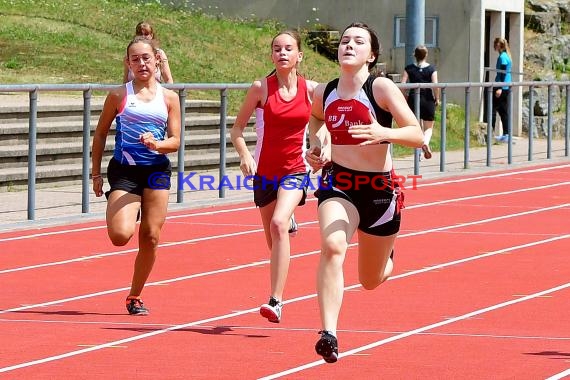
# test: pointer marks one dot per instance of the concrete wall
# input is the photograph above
(459, 55)
(461, 25)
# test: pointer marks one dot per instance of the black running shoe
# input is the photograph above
(272, 310)
(135, 306)
(327, 347)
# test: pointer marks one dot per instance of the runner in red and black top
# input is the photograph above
(282, 104)
(350, 133)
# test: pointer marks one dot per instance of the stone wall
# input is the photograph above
(547, 48)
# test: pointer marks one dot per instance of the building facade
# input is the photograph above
(458, 33)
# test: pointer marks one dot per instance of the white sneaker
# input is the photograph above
(293, 226)
(502, 139)
(271, 310)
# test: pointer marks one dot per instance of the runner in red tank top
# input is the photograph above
(282, 104)
(284, 121)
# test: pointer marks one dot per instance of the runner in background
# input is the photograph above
(162, 71)
(423, 72)
(282, 105)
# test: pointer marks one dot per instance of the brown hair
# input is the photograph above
(143, 40)
(291, 32)
(374, 41)
(420, 53)
(143, 28)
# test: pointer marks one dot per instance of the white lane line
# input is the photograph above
(560, 375)
(214, 237)
(419, 330)
(497, 194)
(496, 175)
(264, 262)
(253, 328)
(444, 182)
(66, 231)
(123, 341)
(298, 299)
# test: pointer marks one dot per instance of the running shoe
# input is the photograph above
(272, 310)
(502, 139)
(427, 151)
(135, 306)
(293, 226)
(327, 346)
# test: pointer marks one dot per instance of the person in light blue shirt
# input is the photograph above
(501, 94)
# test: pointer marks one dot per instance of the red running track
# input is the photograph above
(479, 291)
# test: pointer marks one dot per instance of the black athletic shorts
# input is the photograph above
(265, 189)
(135, 178)
(375, 195)
(427, 107)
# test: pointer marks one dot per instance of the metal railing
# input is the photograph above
(87, 90)
(487, 89)
(182, 88)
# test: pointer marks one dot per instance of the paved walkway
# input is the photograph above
(59, 205)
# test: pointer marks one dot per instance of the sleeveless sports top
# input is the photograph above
(136, 117)
(281, 128)
(341, 114)
(418, 74)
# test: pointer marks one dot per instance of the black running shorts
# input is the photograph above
(375, 195)
(265, 189)
(135, 178)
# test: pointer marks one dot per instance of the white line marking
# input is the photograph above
(263, 262)
(508, 192)
(238, 313)
(43, 234)
(213, 237)
(444, 182)
(229, 329)
(497, 175)
(101, 255)
(123, 341)
(419, 330)
(560, 375)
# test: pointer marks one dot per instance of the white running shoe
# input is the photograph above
(271, 310)
(293, 226)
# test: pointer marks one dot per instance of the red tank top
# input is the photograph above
(281, 129)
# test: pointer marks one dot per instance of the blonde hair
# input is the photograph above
(502, 44)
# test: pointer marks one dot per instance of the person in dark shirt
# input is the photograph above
(423, 72)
